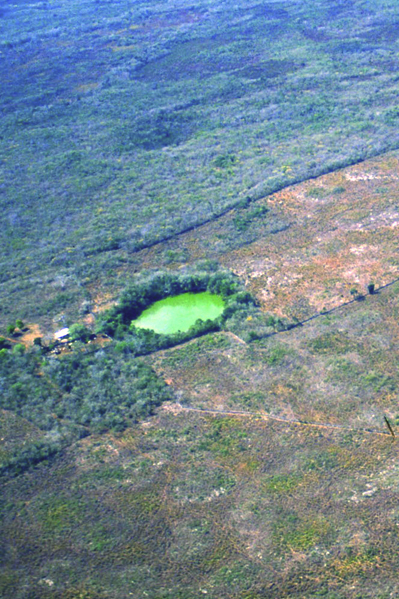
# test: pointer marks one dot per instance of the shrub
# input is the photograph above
(78, 332)
(18, 349)
(224, 161)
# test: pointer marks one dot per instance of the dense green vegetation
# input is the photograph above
(73, 396)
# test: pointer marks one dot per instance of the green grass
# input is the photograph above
(331, 342)
(281, 484)
(291, 533)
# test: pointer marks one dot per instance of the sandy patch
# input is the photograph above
(29, 335)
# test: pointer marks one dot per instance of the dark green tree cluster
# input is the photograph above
(78, 332)
(19, 324)
(117, 321)
(71, 397)
(105, 391)
(100, 390)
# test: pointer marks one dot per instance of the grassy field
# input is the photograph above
(140, 141)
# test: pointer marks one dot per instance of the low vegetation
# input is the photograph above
(250, 457)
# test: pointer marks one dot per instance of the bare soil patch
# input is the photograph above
(29, 334)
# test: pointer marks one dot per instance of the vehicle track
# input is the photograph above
(296, 422)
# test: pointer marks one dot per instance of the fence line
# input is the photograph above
(296, 422)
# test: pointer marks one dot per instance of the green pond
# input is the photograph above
(180, 312)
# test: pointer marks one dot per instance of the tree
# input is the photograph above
(78, 332)
(18, 349)
(354, 292)
(10, 329)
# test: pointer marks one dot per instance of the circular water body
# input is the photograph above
(178, 313)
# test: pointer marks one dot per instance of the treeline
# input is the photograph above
(117, 322)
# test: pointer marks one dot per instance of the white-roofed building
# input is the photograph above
(62, 334)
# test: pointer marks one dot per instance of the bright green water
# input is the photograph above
(180, 312)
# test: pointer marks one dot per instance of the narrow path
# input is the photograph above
(264, 416)
(236, 337)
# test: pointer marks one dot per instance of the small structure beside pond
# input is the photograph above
(62, 334)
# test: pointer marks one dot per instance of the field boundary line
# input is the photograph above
(228, 209)
(296, 422)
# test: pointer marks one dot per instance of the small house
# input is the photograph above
(62, 334)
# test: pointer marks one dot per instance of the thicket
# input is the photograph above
(75, 395)
(102, 390)
(117, 322)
